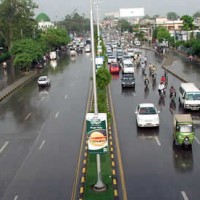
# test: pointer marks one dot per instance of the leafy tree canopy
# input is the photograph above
(55, 38)
(124, 25)
(103, 77)
(187, 22)
(172, 16)
(163, 34)
(76, 23)
(16, 20)
(196, 15)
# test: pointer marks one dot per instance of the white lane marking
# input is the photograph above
(66, 96)
(16, 197)
(157, 140)
(184, 195)
(4, 146)
(42, 144)
(56, 114)
(197, 140)
(27, 116)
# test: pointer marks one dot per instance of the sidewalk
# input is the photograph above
(8, 90)
(179, 66)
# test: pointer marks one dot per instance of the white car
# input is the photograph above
(112, 59)
(43, 81)
(130, 52)
(87, 49)
(127, 66)
(147, 115)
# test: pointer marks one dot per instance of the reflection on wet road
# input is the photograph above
(154, 167)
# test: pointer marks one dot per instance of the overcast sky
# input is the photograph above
(58, 9)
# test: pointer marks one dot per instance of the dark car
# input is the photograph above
(128, 80)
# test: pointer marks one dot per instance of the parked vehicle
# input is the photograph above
(147, 115)
(189, 96)
(43, 81)
(52, 55)
(183, 132)
(128, 80)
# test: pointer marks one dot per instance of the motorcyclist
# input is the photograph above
(146, 80)
(161, 87)
(172, 91)
(163, 79)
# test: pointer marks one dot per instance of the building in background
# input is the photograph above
(44, 22)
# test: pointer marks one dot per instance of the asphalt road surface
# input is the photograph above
(40, 133)
(153, 167)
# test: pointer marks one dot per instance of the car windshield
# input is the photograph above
(128, 65)
(185, 128)
(192, 96)
(127, 78)
(114, 65)
(147, 111)
(42, 79)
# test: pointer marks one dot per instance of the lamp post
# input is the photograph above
(99, 186)
(98, 28)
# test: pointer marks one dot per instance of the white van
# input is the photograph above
(189, 96)
(127, 66)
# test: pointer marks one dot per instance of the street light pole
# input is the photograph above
(99, 186)
(93, 59)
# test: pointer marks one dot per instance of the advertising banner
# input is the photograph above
(97, 137)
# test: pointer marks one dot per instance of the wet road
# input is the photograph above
(153, 167)
(40, 133)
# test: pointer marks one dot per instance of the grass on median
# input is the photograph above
(91, 178)
(91, 173)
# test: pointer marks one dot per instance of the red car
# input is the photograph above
(114, 68)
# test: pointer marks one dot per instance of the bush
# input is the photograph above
(5, 56)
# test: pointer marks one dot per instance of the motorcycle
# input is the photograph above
(162, 93)
(146, 82)
(153, 75)
(173, 96)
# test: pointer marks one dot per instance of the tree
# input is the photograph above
(25, 52)
(196, 48)
(163, 34)
(54, 38)
(76, 23)
(124, 25)
(196, 15)
(16, 20)
(187, 22)
(172, 16)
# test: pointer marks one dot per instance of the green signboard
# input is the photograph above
(97, 137)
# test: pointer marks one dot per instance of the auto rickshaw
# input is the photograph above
(183, 129)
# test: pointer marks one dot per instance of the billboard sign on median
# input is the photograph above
(97, 137)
